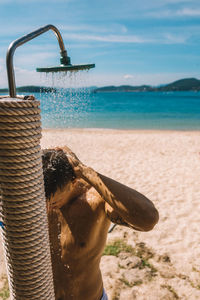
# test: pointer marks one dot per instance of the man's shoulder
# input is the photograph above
(93, 198)
(92, 193)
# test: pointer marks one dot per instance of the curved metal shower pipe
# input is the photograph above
(11, 49)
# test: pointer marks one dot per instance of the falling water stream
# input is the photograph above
(68, 102)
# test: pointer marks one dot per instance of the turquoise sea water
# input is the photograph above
(136, 110)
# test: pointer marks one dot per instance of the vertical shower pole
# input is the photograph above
(22, 199)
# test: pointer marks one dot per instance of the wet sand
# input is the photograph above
(165, 166)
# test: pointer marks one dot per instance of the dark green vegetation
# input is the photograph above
(125, 88)
(31, 89)
(140, 250)
(148, 267)
(187, 84)
(116, 247)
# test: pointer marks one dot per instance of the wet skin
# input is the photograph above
(79, 217)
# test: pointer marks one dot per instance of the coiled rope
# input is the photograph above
(22, 201)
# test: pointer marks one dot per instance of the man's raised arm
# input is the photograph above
(133, 207)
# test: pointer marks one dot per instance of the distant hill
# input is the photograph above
(40, 89)
(124, 88)
(187, 84)
(31, 89)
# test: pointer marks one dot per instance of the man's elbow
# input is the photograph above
(147, 220)
(151, 220)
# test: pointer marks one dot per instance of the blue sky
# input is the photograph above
(130, 41)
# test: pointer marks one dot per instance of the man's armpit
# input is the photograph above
(114, 217)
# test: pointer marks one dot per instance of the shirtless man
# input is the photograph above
(81, 205)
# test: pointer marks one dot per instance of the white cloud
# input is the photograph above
(165, 38)
(15, 30)
(25, 1)
(3, 77)
(171, 13)
(189, 12)
(35, 58)
(107, 38)
(174, 39)
(113, 27)
(22, 77)
(128, 76)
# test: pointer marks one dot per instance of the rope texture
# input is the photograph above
(22, 201)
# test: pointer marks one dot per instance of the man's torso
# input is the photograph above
(78, 234)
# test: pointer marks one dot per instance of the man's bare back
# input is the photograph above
(83, 231)
(79, 216)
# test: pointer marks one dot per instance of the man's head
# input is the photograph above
(57, 171)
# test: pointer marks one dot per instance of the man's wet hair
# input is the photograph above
(57, 170)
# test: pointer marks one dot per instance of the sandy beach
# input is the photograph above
(165, 166)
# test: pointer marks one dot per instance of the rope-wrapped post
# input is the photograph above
(22, 199)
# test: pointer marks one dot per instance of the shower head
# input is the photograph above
(65, 68)
(65, 64)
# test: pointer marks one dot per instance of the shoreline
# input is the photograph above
(123, 130)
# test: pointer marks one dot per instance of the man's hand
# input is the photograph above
(76, 164)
